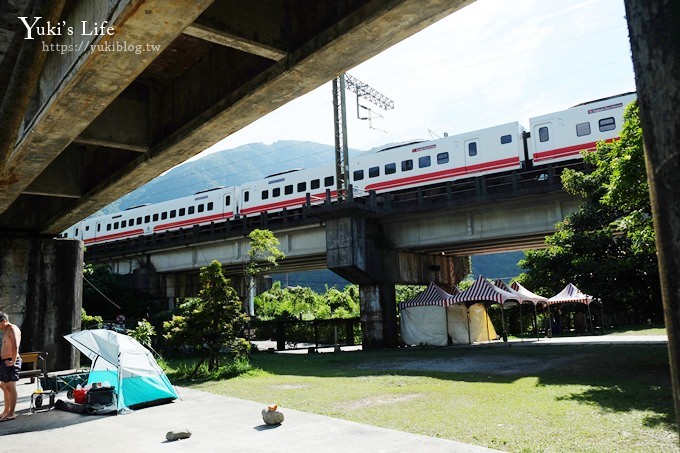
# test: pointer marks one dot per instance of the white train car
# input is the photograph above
(202, 208)
(288, 189)
(554, 137)
(561, 136)
(491, 150)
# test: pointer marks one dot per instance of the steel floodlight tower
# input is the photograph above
(362, 90)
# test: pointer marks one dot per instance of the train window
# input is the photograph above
(424, 161)
(155, 217)
(246, 196)
(210, 206)
(582, 129)
(607, 124)
(358, 175)
(76, 233)
(287, 190)
(99, 227)
(265, 194)
(147, 218)
(191, 210)
(390, 168)
(123, 223)
(164, 215)
(302, 186)
(182, 211)
(505, 139)
(87, 228)
(276, 192)
(139, 220)
(108, 227)
(374, 172)
(201, 207)
(328, 181)
(472, 149)
(315, 184)
(115, 225)
(543, 135)
(407, 165)
(173, 213)
(442, 158)
(227, 200)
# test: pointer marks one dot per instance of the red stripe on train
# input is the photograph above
(568, 150)
(443, 174)
(286, 203)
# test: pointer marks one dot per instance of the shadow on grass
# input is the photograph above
(618, 377)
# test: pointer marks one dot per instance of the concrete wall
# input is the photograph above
(41, 290)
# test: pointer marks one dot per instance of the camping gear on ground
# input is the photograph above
(128, 366)
(65, 380)
(101, 400)
(80, 395)
(38, 397)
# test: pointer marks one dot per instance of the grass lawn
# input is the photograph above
(548, 398)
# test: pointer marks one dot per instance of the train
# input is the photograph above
(551, 138)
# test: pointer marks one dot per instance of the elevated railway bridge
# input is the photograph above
(407, 237)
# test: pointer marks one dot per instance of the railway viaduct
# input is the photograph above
(405, 237)
(99, 97)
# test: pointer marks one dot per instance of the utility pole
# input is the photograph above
(361, 90)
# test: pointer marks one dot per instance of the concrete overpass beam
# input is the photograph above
(41, 284)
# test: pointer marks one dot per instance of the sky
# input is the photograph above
(492, 62)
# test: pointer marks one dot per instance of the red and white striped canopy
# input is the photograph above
(570, 294)
(528, 294)
(481, 291)
(519, 297)
(433, 295)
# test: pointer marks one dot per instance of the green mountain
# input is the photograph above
(226, 168)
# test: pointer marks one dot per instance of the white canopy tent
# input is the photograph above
(424, 318)
(481, 292)
(526, 297)
(570, 294)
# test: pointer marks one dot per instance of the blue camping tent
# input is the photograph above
(126, 365)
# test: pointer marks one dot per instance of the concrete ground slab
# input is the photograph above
(217, 423)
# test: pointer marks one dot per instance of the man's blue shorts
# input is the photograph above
(10, 373)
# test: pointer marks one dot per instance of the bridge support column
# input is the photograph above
(378, 316)
(41, 283)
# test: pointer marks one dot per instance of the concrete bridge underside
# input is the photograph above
(87, 116)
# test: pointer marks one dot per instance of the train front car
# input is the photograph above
(562, 136)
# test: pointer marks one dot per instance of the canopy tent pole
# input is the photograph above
(521, 329)
(446, 318)
(538, 336)
(590, 317)
(505, 332)
(549, 320)
(467, 310)
(602, 314)
(487, 320)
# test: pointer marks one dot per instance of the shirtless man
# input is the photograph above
(10, 366)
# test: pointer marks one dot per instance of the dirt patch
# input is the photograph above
(497, 364)
(289, 386)
(377, 400)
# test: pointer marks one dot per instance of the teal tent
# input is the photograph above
(123, 363)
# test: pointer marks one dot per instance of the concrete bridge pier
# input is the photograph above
(378, 315)
(359, 251)
(41, 282)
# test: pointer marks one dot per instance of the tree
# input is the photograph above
(211, 321)
(263, 256)
(606, 248)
